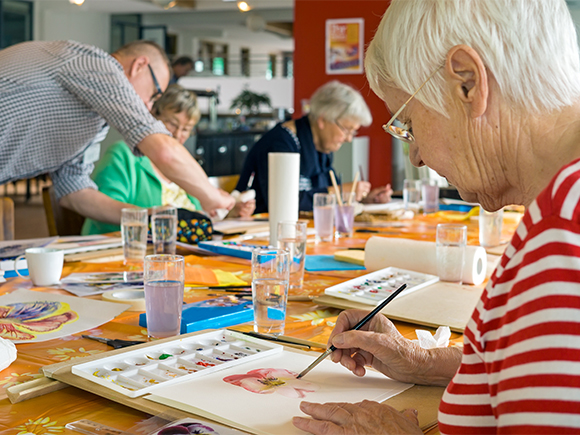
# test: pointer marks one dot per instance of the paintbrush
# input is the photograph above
(359, 325)
(352, 189)
(222, 288)
(335, 186)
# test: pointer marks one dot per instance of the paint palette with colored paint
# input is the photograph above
(375, 287)
(138, 371)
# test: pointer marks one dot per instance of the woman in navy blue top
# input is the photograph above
(337, 111)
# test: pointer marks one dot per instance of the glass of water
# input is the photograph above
(163, 276)
(134, 234)
(451, 245)
(323, 207)
(164, 229)
(270, 276)
(411, 194)
(292, 237)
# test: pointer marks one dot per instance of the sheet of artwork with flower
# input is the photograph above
(270, 392)
(27, 316)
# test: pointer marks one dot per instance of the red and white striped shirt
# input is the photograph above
(520, 371)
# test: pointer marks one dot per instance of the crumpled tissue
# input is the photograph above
(428, 341)
(7, 353)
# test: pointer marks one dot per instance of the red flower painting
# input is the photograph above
(23, 321)
(268, 381)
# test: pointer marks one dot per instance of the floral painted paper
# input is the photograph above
(268, 381)
(28, 316)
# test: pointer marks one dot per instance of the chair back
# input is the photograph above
(6, 219)
(225, 182)
(61, 221)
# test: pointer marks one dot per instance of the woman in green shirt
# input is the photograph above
(135, 180)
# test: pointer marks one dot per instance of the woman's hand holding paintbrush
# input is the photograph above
(363, 318)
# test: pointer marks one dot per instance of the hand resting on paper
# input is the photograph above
(378, 344)
(363, 418)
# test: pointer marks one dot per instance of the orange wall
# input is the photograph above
(309, 68)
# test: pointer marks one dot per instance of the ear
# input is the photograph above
(137, 66)
(320, 121)
(469, 78)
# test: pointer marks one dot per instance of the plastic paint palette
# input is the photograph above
(137, 372)
(374, 287)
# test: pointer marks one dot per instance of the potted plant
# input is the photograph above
(249, 102)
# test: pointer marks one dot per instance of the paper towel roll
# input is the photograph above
(381, 252)
(283, 182)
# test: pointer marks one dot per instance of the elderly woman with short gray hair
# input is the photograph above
(488, 94)
(337, 111)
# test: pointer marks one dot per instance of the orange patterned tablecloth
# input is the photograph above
(48, 414)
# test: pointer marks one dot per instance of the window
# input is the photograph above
(15, 22)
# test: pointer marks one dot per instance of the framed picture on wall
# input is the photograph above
(344, 46)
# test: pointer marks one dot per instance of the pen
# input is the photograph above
(359, 325)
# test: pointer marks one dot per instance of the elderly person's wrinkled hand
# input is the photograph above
(356, 418)
(377, 344)
(379, 195)
(380, 345)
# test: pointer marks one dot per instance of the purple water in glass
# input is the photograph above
(163, 304)
(344, 220)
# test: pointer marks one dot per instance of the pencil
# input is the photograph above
(359, 325)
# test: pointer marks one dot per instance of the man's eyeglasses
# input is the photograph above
(402, 133)
(347, 132)
(156, 83)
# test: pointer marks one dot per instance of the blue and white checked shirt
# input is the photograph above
(56, 99)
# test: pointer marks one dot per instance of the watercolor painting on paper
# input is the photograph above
(275, 392)
(28, 316)
(268, 381)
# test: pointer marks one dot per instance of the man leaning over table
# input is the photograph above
(58, 99)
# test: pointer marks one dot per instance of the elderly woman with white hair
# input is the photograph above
(488, 92)
(337, 111)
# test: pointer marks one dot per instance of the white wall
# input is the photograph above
(58, 19)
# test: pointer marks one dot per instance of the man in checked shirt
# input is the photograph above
(57, 100)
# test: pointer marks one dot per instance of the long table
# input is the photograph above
(48, 414)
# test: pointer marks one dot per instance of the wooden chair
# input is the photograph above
(6, 219)
(61, 221)
(225, 182)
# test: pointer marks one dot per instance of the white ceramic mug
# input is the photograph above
(44, 265)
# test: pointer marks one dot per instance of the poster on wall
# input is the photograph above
(344, 46)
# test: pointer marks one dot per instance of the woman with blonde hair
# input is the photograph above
(136, 180)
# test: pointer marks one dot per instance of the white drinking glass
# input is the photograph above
(292, 237)
(451, 246)
(134, 234)
(163, 277)
(411, 194)
(164, 229)
(270, 276)
(323, 207)
(490, 224)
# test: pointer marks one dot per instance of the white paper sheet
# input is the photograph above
(29, 316)
(213, 398)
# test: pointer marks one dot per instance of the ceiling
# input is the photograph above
(150, 6)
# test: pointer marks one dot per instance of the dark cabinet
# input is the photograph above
(224, 153)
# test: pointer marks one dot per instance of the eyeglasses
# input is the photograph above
(347, 132)
(156, 83)
(400, 133)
